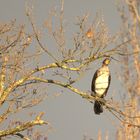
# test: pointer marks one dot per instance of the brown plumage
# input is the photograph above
(100, 84)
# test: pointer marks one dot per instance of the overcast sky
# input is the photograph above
(70, 115)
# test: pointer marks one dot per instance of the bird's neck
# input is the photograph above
(105, 68)
(104, 65)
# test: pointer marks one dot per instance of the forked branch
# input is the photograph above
(24, 126)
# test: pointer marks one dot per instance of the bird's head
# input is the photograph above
(106, 61)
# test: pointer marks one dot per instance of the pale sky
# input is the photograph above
(70, 115)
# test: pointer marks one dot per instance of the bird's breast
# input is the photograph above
(101, 83)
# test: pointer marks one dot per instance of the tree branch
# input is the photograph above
(23, 126)
(62, 65)
(114, 110)
(37, 37)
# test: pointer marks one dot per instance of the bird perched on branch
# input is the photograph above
(100, 84)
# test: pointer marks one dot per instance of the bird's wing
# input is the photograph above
(93, 81)
(109, 80)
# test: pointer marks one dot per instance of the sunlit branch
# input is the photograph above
(3, 75)
(12, 43)
(5, 114)
(121, 119)
(14, 85)
(90, 98)
(24, 126)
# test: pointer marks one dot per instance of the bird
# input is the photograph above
(100, 84)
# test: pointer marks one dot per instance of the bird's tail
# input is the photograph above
(98, 108)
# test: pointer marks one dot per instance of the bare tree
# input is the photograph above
(22, 77)
(131, 70)
(128, 109)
